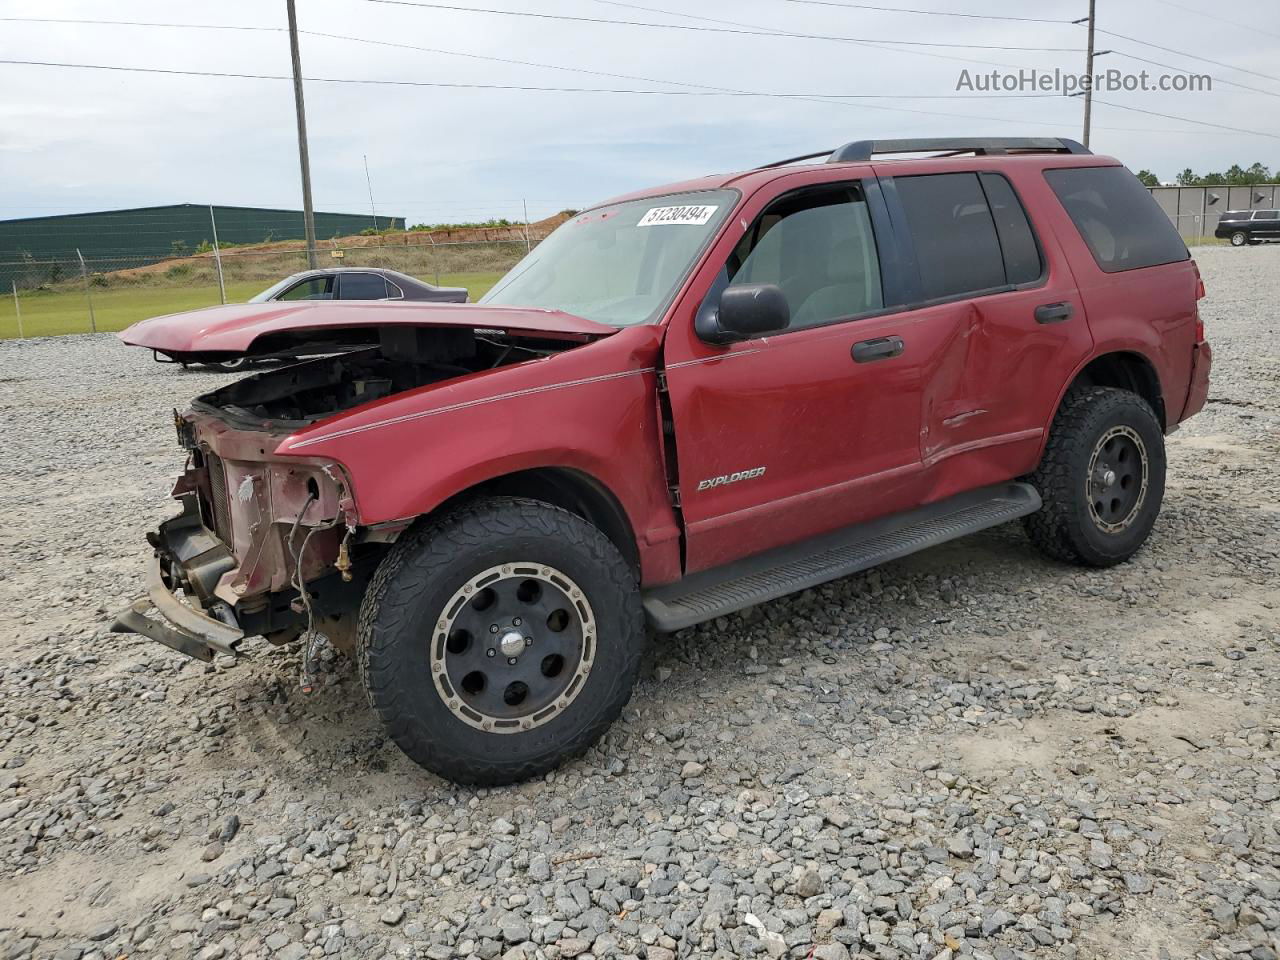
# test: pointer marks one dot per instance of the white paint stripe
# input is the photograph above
(515, 394)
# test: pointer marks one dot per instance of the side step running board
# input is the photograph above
(767, 576)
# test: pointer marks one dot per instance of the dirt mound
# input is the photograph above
(406, 238)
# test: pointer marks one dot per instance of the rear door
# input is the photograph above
(362, 286)
(1266, 224)
(1015, 327)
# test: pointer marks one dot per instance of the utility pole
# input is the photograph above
(1088, 69)
(217, 256)
(308, 214)
(84, 274)
(17, 308)
(369, 183)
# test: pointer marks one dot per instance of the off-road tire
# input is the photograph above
(409, 591)
(1065, 527)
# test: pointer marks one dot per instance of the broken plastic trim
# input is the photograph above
(187, 630)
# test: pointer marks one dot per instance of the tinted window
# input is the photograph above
(955, 238)
(317, 288)
(819, 248)
(1018, 244)
(363, 286)
(1117, 217)
(1267, 215)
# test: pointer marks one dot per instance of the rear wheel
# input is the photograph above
(500, 639)
(1101, 478)
(1239, 238)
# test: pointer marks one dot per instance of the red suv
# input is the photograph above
(684, 402)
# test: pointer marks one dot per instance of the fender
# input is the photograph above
(590, 409)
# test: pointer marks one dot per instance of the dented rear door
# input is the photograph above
(1008, 325)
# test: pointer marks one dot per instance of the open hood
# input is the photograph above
(263, 329)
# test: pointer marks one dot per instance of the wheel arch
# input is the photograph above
(1125, 368)
(569, 488)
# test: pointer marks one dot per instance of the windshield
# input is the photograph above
(274, 289)
(619, 264)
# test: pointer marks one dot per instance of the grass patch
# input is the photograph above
(55, 312)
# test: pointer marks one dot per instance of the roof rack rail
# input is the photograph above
(863, 150)
(783, 163)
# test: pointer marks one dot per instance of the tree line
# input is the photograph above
(1235, 176)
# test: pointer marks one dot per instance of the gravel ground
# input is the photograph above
(972, 752)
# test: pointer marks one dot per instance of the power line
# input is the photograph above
(924, 13)
(1203, 123)
(1154, 46)
(141, 23)
(734, 30)
(771, 30)
(524, 87)
(490, 86)
(1170, 66)
(1217, 19)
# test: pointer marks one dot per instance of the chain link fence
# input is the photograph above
(46, 297)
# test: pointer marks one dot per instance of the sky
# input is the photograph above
(73, 140)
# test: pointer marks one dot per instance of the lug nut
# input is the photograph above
(491, 652)
(511, 661)
(515, 622)
(493, 628)
(528, 641)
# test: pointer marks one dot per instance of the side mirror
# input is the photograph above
(745, 311)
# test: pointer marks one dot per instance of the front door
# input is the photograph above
(797, 433)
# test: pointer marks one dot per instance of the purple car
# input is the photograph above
(358, 283)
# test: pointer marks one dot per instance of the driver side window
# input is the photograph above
(818, 247)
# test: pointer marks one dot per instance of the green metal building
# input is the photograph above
(153, 233)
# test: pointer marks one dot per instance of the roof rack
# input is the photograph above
(862, 150)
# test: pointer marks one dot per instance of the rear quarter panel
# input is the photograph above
(1149, 311)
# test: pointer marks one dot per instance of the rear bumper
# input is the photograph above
(1198, 392)
(183, 628)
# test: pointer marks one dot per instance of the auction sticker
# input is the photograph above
(695, 215)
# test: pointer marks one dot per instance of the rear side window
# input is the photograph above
(1118, 218)
(1022, 263)
(955, 237)
(1267, 215)
(363, 286)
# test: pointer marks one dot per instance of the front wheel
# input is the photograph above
(1101, 478)
(500, 639)
(1239, 238)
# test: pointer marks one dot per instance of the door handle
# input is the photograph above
(882, 348)
(1054, 312)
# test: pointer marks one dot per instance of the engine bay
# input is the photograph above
(403, 359)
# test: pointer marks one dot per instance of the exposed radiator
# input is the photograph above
(220, 506)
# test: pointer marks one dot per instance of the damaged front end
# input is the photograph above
(263, 546)
(271, 544)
